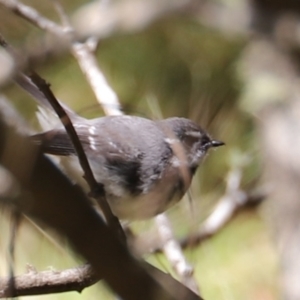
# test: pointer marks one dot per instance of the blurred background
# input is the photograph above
(231, 66)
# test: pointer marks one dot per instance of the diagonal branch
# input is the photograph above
(33, 16)
(49, 282)
(96, 188)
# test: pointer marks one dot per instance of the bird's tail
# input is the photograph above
(45, 114)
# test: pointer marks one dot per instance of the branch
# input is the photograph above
(222, 214)
(33, 16)
(105, 95)
(48, 282)
(173, 252)
(97, 191)
(83, 52)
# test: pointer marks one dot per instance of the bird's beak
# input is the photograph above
(215, 143)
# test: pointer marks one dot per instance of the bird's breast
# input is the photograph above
(163, 194)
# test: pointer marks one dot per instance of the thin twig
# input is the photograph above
(49, 282)
(225, 215)
(33, 16)
(97, 190)
(233, 198)
(84, 52)
(173, 252)
(44, 87)
(105, 95)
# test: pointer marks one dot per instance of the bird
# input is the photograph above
(144, 166)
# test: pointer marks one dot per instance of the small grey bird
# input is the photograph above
(144, 166)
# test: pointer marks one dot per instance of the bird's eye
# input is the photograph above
(190, 138)
(205, 141)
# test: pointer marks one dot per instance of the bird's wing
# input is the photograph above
(118, 156)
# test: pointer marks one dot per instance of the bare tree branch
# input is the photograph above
(33, 16)
(173, 252)
(83, 52)
(49, 282)
(105, 95)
